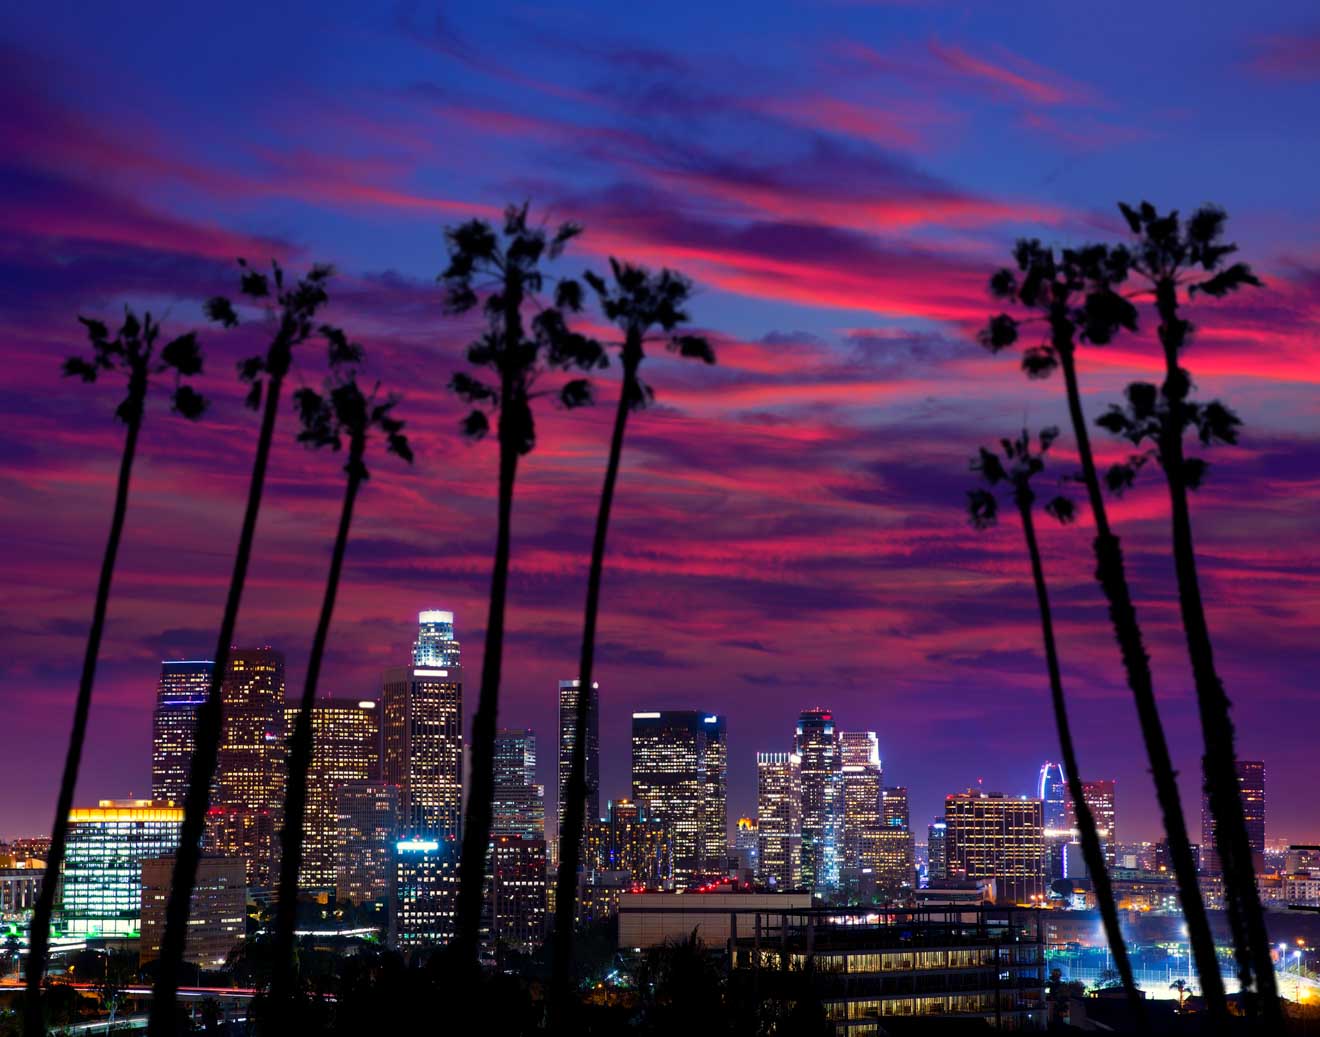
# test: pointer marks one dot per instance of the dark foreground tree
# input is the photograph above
(130, 353)
(1180, 259)
(344, 418)
(506, 268)
(645, 307)
(291, 310)
(1015, 469)
(1073, 295)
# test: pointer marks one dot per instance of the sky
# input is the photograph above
(838, 179)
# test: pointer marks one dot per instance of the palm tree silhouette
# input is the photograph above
(1015, 469)
(132, 353)
(1184, 991)
(506, 266)
(345, 415)
(645, 307)
(1176, 257)
(291, 308)
(1073, 294)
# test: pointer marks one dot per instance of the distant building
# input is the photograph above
(894, 807)
(817, 744)
(184, 685)
(937, 853)
(517, 892)
(422, 730)
(248, 834)
(779, 819)
(345, 748)
(1052, 791)
(519, 803)
(1099, 796)
(1251, 785)
(101, 884)
(991, 836)
(859, 749)
(425, 895)
(746, 844)
(568, 704)
(630, 839)
(366, 829)
(652, 919)
(217, 921)
(863, 792)
(679, 761)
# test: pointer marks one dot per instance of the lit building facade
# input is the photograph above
(863, 789)
(519, 804)
(894, 811)
(1251, 785)
(217, 921)
(937, 852)
(249, 835)
(746, 843)
(183, 687)
(250, 769)
(1099, 796)
(425, 893)
(629, 839)
(568, 705)
(779, 819)
(817, 745)
(422, 731)
(366, 829)
(679, 771)
(101, 883)
(517, 892)
(991, 836)
(345, 747)
(859, 749)
(1052, 791)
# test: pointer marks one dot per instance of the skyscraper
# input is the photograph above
(345, 747)
(894, 812)
(217, 920)
(822, 798)
(779, 819)
(628, 839)
(937, 852)
(678, 771)
(991, 836)
(747, 843)
(183, 687)
(859, 749)
(1099, 796)
(517, 893)
(1052, 791)
(568, 704)
(1251, 785)
(425, 892)
(519, 805)
(862, 813)
(366, 827)
(250, 776)
(422, 731)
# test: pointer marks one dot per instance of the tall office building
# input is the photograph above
(628, 839)
(894, 812)
(345, 747)
(100, 889)
(937, 852)
(217, 919)
(1052, 791)
(1251, 785)
(425, 892)
(859, 749)
(991, 836)
(516, 907)
(519, 805)
(779, 819)
(678, 771)
(1099, 796)
(183, 687)
(862, 811)
(568, 705)
(366, 828)
(817, 745)
(250, 768)
(746, 844)
(422, 732)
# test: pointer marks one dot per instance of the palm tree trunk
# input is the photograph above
(300, 762)
(476, 830)
(39, 934)
(1091, 849)
(570, 840)
(1251, 941)
(1123, 616)
(164, 1003)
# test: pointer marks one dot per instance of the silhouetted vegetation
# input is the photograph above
(131, 353)
(645, 307)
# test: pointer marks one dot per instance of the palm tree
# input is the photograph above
(1016, 468)
(132, 354)
(1184, 991)
(344, 415)
(640, 304)
(507, 268)
(1073, 294)
(291, 309)
(1174, 257)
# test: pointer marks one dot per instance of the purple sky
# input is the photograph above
(839, 180)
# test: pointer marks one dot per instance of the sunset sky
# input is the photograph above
(839, 180)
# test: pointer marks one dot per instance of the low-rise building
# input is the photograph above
(649, 919)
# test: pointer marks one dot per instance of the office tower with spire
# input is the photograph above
(568, 705)
(817, 745)
(183, 687)
(519, 804)
(345, 748)
(1251, 786)
(678, 771)
(992, 836)
(779, 819)
(422, 735)
(1052, 791)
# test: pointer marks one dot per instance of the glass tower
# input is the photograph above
(519, 807)
(817, 744)
(183, 687)
(568, 701)
(435, 644)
